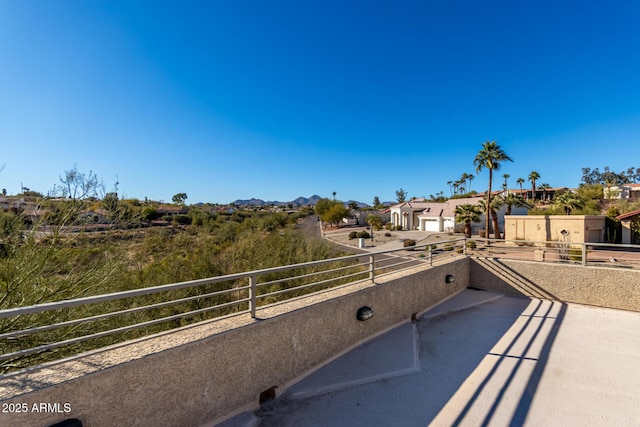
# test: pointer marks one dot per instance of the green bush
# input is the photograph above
(353, 235)
(182, 219)
(387, 234)
(471, 244)
(575, 254)
(409, 242)
(398, 227)
(363, 234)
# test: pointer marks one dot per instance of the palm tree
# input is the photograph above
(569, 201)
(511, 200)
(450, 188)
(496, 204)
(467, 214)
(520, 181)
(506, 177)
(533, 177)
(470, 178)
(490, 157)
(334, 195)
(463, 180)
(544, 187)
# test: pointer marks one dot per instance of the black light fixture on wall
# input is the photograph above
(364, 313)
(450, 278)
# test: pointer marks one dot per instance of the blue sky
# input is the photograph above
(279, 99)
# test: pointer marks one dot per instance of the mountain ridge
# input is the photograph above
(298, 202)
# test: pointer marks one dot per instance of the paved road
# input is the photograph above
(311, 227)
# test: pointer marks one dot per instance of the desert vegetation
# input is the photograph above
(56, 256)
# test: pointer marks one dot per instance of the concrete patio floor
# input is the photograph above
(479, 358)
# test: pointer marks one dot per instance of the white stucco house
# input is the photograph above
(421, 215)
(626, 191)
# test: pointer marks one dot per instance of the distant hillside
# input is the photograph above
(300, 201)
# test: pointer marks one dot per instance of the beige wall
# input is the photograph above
(545, 228)
(201, 374)
(605, 287)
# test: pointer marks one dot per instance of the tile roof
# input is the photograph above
(628, 215)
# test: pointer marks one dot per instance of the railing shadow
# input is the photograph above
(511, 277)
(509, 367)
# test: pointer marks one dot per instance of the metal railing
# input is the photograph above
(585, 254)
(49, 331)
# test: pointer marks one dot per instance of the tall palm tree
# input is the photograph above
(494, 207)
(533, 177)
(506, 177)
(490, 158)
(520, 181)
(470, 178)
(569, 201)
(463, 180)
(334, 195)
(467, 214)
(450, 188)
(544, 187)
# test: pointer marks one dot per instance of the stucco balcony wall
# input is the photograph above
(617, 288)
(199, 375)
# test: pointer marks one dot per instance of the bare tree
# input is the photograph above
(77, 185)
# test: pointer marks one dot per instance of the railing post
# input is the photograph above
(372, 267)
(464, 246)
(430, 255)
(584, 254)
(252, 295)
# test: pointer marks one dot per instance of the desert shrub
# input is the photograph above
(409, 242)
(448, 247)
(389, 226)
(387, 234)
(363, 234)
(182, 219)
(353, 235)
(398, 227)
(575, 254)
(471, 244)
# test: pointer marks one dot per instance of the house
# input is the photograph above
(546, 195)
(362, 214)
(629, 223)
(171, 210)
(630, 192)
(440, 216)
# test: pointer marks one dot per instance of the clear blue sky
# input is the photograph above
(279, 99)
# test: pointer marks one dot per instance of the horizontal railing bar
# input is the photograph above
(161, 288)
(38, 308)
(30, 331)
(115, 331)
(403, 262)
(322, 282)
(315, 273)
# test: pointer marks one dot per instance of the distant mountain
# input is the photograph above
(300, 201)
(358, 204)
(250, 202)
